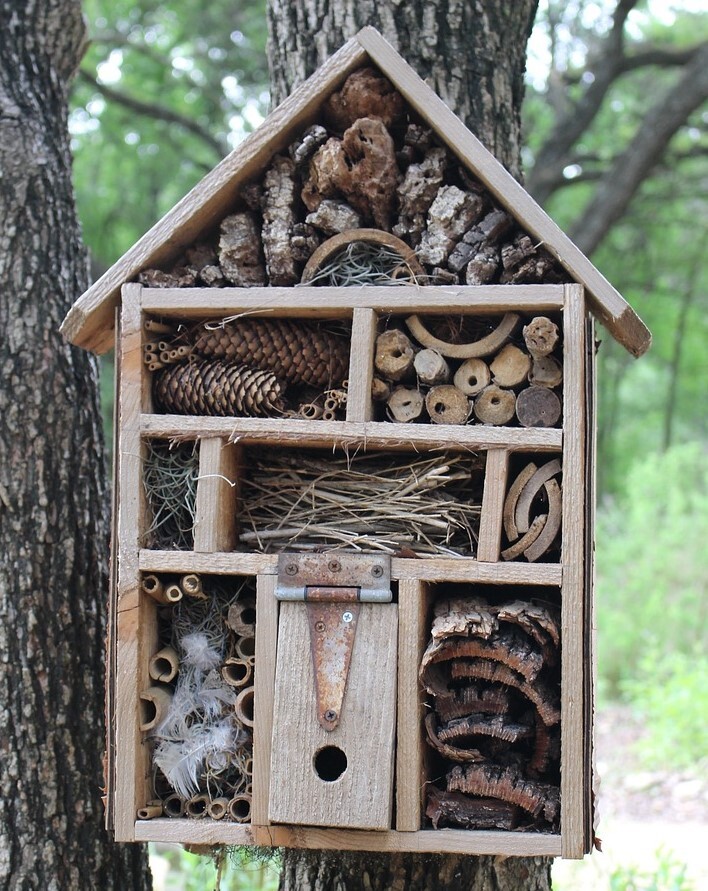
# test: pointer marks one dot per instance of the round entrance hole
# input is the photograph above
(329, 763)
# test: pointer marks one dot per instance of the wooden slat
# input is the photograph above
(324, 434)
(338, 302)
(362, 797)
(432, 569)
(614, 311)
(131, 767)
(361, 365)
(264, 691)
(217, 491)
(412, 634)
(572, 558)
(589, 619)
(90, 321)
(490, 524)
(445, 841)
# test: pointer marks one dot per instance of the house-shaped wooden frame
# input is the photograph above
(113, 312)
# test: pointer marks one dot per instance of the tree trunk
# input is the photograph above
(474, 56)
(53, 494)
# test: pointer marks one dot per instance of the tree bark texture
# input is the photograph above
(473, 54)
(53, 494)
(346, 871)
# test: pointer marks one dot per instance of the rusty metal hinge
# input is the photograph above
(333, 587)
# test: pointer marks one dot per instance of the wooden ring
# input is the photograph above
(368, 236)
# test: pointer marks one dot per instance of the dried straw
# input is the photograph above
(362, 263)
(170, 480)
(428, 504)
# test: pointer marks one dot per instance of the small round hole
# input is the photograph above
(330, 763)
(495, 400)
(396, 354)
(439, 408)
(472, 381)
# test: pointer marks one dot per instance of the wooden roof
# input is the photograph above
(90, 321)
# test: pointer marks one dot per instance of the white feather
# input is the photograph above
(198, 652)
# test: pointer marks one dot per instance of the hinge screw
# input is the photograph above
(330, 715)
(291, 569)
(377, 571)
(334, 565)
(347, 617)
(319, 627)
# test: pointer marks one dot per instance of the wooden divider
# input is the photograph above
(217, 491)
(490, 524)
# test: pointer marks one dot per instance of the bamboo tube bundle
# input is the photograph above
(240, 808)
(430, 505)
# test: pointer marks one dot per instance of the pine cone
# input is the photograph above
(218, 388)
(296, 352)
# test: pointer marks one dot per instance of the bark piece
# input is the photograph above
(431, 368)
(495, 406)
(540, 336)
(512, 499)
(471, 701)
(447, 405)
(364, 93)
(201, 255)
(440, 276)
(304, 242)
(483, 267)
(550, 530)
(240, 252)
(542, 800)
(542, 696)
(328, 168)
(417, 192)
(302, 150)
(507, 647)
(450, 752)
(538, 407)
(370, 184)
(546, 371)
(531, 488)
(181, 277)
(472, 376)
(520, 545)
(332, 217)
(380, 390)
(279, 197)
(212, 276)
(485, 346)
(462, 731)
(405, 404)
(451, 214)
(418, 137)
(394, 355)
(510, 366)
(252, 195)
(459, 809)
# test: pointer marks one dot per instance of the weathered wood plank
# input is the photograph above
(263, 695)
(324, 434)
(490, 525)
(338, 302)
(217, 492)
(572, 558)
(361, 365)
(362, 796)
(412, 634)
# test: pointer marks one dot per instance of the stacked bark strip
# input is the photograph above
(197, 715)
(470, 370)
(532, 511)
(366, 162)
(492, 673)
(244, 366)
